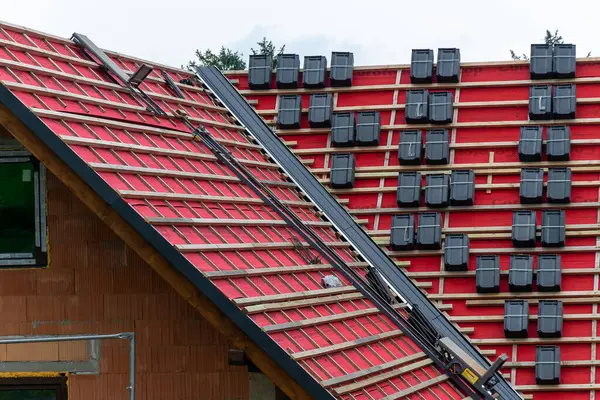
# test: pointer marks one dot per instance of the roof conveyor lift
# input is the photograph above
(131, 82)
(417, 317)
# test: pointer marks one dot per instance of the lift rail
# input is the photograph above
(422, 322)
(411, 323)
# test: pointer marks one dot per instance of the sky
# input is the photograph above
(376, 31)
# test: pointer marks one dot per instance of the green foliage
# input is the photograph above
(225, 60)
(550, 38)
(553, 38)
(229, 60)
(267, 47)
(514, 56)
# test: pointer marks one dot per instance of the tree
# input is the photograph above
(550, 38)
(267, 47)
(226, 60)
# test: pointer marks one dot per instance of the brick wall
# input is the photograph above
(96, 284)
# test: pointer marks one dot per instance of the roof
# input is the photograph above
(490, 105)
(206, 223)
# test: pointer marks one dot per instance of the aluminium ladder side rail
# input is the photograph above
(339, 217)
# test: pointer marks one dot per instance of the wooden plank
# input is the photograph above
(385, 240)
(533, 250)
(305, 323)
(321, 351)
(148, 129)
(534, 341)
(481, 208)
(207, 309)
(134, 194)
(248, 301)
(579, 387)
(177, 174)
(574, 300)
(296, 269)
(465, 125)
(288, 305)
(487, 168)
(532, 317)
(506, 295)
(479, 186)
(106, 103)
(456, 105)
(315, 301)
(228, 222)
(372, 370)
(186, 248)
(405, 86)
(495, 229)
(157, 151)
(452, 146)
(564, 363)
(471, 274)
(417, 388)
(380, 378)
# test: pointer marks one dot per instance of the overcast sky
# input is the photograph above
(377, 31)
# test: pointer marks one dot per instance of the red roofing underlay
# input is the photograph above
(221, 226)
(490, 104)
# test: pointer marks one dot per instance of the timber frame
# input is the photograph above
(197, 290)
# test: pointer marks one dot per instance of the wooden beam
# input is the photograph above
(564, 363)
(186, 248)
(480, 208)
(381, 377)
(61, 94)
(532, 317)
(506, 295)
(147, 129)
(532, 250)
(183, 286)
(305, 323)
(385, 240)
(127, 169)
(575, 300)
(346, 345)
(578, 387)
(509, 168)
(534, 341)
(456, 105)
(417, 388)
(194, 155)
(135, 194)
(370, 371)
(465, 125)
(228, 222)
(453, 146)
(316, 301)
(409, 86)
(292, 269)
(248, 301)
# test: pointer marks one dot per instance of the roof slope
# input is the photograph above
(216, 224)
(490, 104)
